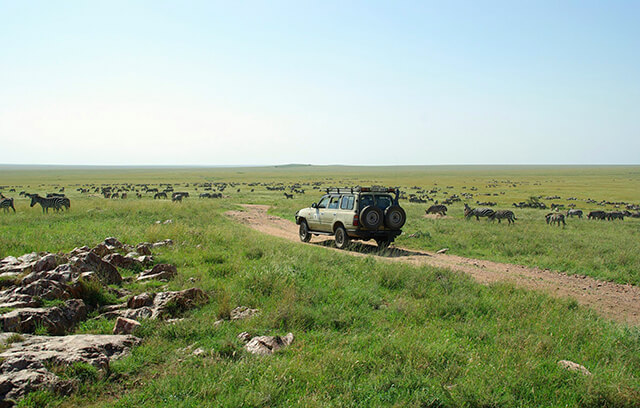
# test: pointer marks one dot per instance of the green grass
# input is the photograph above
(367, 333)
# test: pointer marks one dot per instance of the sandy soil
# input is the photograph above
(612, 300)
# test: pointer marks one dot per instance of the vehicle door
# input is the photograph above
(347, 204)
(314, 219)
(328, 215)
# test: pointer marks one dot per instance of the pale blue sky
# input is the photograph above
(351, 82)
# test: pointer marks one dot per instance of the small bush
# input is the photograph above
(95, 295)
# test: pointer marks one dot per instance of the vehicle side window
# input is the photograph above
(323, 203)
(383, 201)
(347, 203)
(334, 202)
(366, 200)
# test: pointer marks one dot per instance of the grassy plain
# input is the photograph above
(366, 333)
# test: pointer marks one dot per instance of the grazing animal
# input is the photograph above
(159, 195)
(177, 197)
(51, 202)
(288, 195)
(6, 203)
(437, 209)
(572, 213)
(597, 215)
(555, 218)
(503, 214)
(615, 215)
(477, 212)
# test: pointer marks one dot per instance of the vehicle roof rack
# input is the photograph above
(357, 189)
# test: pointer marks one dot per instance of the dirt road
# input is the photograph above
(615, 301)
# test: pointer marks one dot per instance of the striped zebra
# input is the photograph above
(52, 202)
(555, 218)
(6, 203)
(503, 214)
(477, 212)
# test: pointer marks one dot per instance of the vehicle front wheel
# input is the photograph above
(305, 235)
(342, 239)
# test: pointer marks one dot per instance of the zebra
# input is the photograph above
(571, 213)
(555, 218)
(437, 209)
(52, 202)
(503, 214)
(477, 212)
(6, 203)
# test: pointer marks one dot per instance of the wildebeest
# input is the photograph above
(503, 214)
(597, 215)
(288, 195)
(615, 215)
(437, 209)
(555, 218)
(572, 213)
(159, 195)
(477, 212)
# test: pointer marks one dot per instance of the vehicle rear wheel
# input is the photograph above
(341, 237)
(305, 235)
(371, 217)
(395, 217)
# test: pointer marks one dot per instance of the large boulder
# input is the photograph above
(143, 299)
(160, 271)
(56, 320)
(24, 364)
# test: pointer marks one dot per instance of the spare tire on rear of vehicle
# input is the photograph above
(371, 217)
(394, 217)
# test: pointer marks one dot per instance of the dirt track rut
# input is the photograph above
(612, 300)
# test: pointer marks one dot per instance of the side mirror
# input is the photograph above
(314, 205)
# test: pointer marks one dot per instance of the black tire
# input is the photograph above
(383, 243)
(371, 217)
(341, 237)
(394, 217)
(303, 232)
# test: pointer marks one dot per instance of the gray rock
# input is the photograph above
(575, 367)
(56, 320)
(265, 345)
(23, 366)
(125, 326)
(243, 312)
(113, 242)
(107, 273)
(160, 271)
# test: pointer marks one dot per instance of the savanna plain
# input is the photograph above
(367, 332)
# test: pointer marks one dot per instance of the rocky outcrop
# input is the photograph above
(25, 365)
(160, 305)
(55, 320)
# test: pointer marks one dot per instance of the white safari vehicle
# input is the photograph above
(359, 213)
